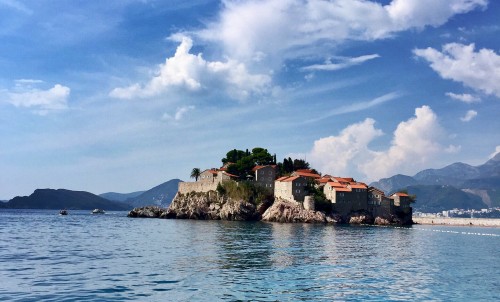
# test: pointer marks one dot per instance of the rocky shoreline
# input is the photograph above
(210, 206)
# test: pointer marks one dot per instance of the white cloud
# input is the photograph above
(419, 13)
(415, 143)
(355, 107)
(466, 98)
(497, 150)
(17, 5)
(267, 31)
(42, 101)
(179, 114)
(343, 63)
(461, 63)
(337, 154)
(469, 116)
(193, 73)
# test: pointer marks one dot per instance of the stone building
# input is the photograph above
(265, 176)
(345, 196)
(292, 188)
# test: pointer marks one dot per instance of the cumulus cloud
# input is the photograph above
(268, 30)
(193, 73)
(41, 101)
(479, 70)
(469, 116)
(179, 113)
(335, 154)
(466, 98)
(415, 142)
(343, 63)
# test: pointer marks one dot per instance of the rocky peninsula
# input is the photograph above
(211, 206)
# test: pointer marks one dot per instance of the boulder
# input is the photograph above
(285, 211)
(148, 212)
(361, 217)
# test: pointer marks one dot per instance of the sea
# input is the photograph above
(85, 257)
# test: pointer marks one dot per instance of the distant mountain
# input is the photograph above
(491, 168)
(64, 199)
(454, 175)
(120, 196)
(391, 184)
(437, 198)
(482, 181)
(160, 195)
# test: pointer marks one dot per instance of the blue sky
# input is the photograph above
(124, 95)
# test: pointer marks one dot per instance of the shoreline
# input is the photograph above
(481, 222)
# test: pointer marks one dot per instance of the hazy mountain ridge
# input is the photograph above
(483, 181)
(120, 196)
(160, 195)
(64, 199)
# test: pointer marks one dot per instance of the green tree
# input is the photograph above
(195, 173)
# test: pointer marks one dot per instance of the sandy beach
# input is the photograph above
(484, 222)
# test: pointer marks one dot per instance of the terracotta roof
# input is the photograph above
(260, 167)
(230, 175)
(401, 194)
(358, 186)
(304, 170)
(323, 180)
(292, 178)
(335, 184)
(343, 189)
(287, 178)
(306, 174)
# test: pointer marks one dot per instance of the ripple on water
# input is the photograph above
(82, 257)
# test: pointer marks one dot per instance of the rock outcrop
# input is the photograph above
(148, 212)
(285, 211)
(210, 206)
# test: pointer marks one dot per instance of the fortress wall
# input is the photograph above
(186, 187)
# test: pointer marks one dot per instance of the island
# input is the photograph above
(252, 185)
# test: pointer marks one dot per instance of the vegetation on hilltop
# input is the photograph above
(245, 190)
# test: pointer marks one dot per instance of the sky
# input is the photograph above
(124, 95)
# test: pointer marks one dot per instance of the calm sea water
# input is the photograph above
(83, 257)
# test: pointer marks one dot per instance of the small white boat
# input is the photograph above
(98, 211)
(63, 212)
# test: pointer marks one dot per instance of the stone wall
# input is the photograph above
(309, 203)
(186, 187)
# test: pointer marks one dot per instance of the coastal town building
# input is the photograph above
(345, 194)
(292, 188)
(264, 176)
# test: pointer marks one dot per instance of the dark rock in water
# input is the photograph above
(361, 217)
(148, 212)
(285, 211)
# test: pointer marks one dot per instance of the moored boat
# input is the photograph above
(63, 212)
(98, 211)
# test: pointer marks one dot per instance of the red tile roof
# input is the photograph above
(336, 184)
(307, 174)
(358, 186)
(292, 178)
(401, 194)
(230, 175)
